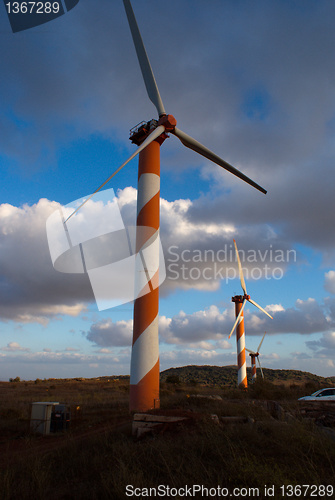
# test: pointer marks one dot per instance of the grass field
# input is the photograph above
(99, 459)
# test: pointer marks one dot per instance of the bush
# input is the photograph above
(172, 379)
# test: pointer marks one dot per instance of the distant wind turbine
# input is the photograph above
(240, 302)
(149, 136)
(253, 356)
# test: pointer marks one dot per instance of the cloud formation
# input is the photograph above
(252, 84)
(324, 346)
(105, 333)
(30, 289)
(14, 347)
(208, 329)
(197, 255)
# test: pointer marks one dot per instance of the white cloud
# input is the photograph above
(208, 329)
(330, 282)
(14, 347)
(197, 327)
(270, 356)
(223, 344)
(105, 333)
(32, 291)
(273, 308)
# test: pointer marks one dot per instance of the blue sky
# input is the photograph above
(254, 82)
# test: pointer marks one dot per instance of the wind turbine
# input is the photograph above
(240, 302)
(149, 136)
(253, 356)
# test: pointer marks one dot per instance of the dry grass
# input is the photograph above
(96, 461)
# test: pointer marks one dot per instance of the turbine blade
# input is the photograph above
(191, 143)
(259, 307)
(237, 319)
(143, 59)
(244, 288)
(260, 367)
(261, 342)
(156, 133)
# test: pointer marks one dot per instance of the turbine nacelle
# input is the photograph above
(240, 298)
(142, 130)
(252, 354)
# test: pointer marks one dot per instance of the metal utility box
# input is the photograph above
(49, 417)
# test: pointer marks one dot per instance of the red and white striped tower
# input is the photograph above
(240, 342)
(253, 367)
(144, 368)
(253, 356)
(240, 302)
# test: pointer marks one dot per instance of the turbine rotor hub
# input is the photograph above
(168, 121)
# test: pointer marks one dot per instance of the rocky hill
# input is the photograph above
(226, 375)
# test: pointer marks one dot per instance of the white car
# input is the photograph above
(321, 395)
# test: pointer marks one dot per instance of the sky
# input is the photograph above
(254, 82)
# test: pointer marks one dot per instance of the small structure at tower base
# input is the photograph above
(155, 423)
(49, 417)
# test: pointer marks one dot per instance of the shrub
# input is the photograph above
(173, 379)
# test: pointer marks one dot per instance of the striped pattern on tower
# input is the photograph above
(240, 341)
(144, 369)
(253, 368)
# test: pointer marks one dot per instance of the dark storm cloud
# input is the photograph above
(248, 80)
(299, 206)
